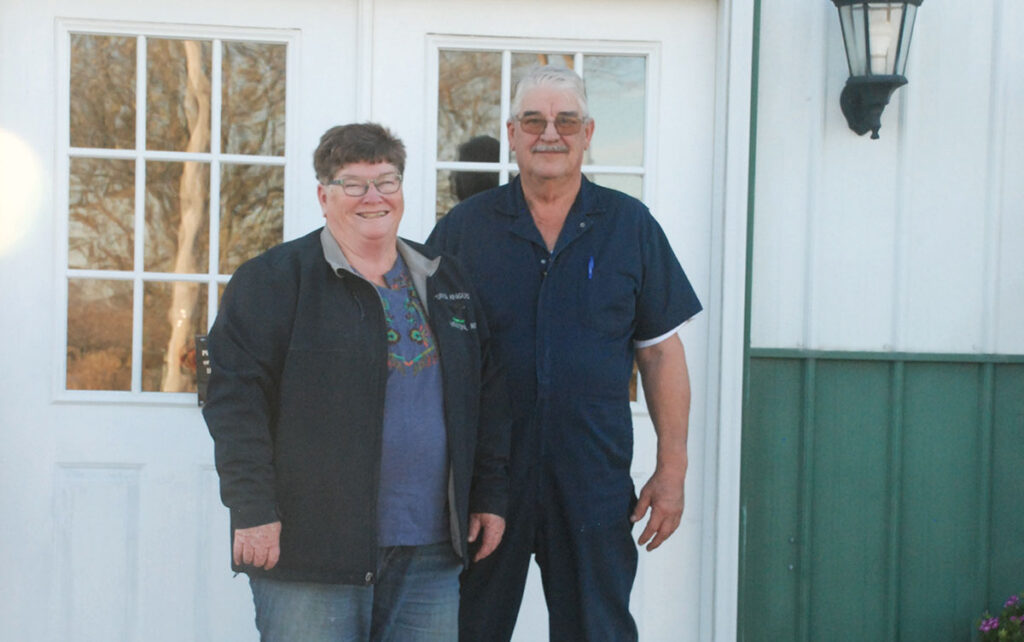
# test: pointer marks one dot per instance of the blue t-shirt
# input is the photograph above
(411, 505)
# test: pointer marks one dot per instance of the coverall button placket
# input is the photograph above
(549, 301)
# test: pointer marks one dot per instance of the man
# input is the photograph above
(360, 426)
(575, 281)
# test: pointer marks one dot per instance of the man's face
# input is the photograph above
(549, 155)
(370, 217)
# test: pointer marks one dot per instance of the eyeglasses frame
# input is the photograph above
(365, 184)
(581, 119)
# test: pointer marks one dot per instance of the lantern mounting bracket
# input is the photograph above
(864, 98)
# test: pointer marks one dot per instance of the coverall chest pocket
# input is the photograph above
(607, 299)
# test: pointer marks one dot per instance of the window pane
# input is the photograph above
(177, 217)
(468, 99)
(178, 95)
(632, 185)
(99, 348)
(173, 314)
(456, 186)
(252, 98)
(523, 61)
(252, 212)
(102, 91)
(615, 97)
(101, 214)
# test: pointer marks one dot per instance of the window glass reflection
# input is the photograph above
(628, 183)
(253, 98)
(521, 61)
(178, 95)
(173, 313)
(101, 214)
(251, 212)
(616, 97)
(99, 341)
(102, 105)
(177, 217)
(468, 99)
(456, 186)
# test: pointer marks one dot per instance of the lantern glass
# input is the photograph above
(851, 18)
(877, 36)
(907, 31)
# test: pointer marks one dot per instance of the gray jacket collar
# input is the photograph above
(420, 267)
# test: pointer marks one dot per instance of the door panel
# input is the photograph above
(119, 533)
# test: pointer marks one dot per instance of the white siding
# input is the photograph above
(906, 243)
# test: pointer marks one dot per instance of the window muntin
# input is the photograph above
(169, 137)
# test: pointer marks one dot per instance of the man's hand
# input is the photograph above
(259, 546)
(663, 495)
(493, 527)
(667, 389)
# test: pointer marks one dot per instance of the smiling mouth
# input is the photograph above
(372, 214)
(549, 148)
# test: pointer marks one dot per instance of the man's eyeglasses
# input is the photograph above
(385, 184)
(565, 124)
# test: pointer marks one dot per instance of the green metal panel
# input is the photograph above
(770, 525)
(880, 495)
(849, 518)
(1006, 563)
(941, 486)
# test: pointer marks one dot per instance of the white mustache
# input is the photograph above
(549, 148)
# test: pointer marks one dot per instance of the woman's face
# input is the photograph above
(371, 217)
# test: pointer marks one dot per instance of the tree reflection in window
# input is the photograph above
(177, 158)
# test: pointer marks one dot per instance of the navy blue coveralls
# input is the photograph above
(563, 325)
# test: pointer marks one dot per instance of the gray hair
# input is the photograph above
(554, 77)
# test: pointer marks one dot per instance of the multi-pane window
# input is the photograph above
(176, 165)
(474, 92)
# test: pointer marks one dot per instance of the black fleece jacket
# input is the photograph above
(295, 404)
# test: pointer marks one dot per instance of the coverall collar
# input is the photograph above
(576, 222)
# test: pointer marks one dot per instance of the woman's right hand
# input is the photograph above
(259, 546)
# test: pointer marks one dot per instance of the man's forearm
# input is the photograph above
(666, 385)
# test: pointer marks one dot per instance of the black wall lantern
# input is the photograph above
(877, 38)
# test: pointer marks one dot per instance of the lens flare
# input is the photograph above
(21, 189)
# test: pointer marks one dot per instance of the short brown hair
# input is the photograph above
(356, 143)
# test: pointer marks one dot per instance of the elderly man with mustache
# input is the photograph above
(576, 281)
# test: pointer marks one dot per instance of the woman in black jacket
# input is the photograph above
(359, 423)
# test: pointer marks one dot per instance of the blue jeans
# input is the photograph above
(415, 599)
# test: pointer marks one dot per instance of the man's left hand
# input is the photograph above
(491, 527)
(663, 495)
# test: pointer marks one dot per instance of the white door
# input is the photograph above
(130, 130)
(441, 76)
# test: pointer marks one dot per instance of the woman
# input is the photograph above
(359, 424)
